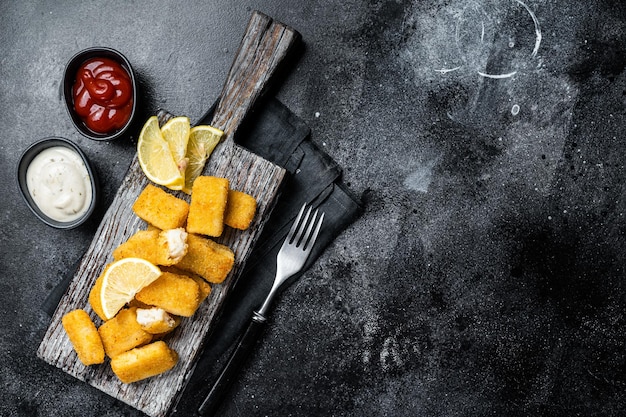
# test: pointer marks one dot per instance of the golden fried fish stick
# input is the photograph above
(176, 294)
(205, 287)
(84, 337)
(94, 296)
(240, 210)
(208, 205)
(160, 247)
(211, 260)
(144, 362)
(123, 333)
(160, 208)
(142, 244)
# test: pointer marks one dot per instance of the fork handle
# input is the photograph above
(231, 370)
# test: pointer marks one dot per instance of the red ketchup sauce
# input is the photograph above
(103, 95)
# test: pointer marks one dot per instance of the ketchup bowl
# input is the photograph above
(100, 93)
(57, 182)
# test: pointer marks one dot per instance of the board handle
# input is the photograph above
(264, 47)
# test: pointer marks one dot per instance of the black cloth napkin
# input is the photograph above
(278, 135)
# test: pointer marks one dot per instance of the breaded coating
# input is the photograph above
(176, 294)
(240, 210)
(143, 244)
(211, 260)
(123, 333)
(205, 287)
(84, 336)
(94, 296)
(144, 362)
(160, 208)
(208, 205)
(155, 320)
(160, 247)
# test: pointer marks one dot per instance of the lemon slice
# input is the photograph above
(155, 157)
(202, 140)
(122, 280)
(176, 133)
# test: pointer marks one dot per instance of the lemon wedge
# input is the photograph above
(202, 141)
(176, 133)
(122, 280)
(155, 157)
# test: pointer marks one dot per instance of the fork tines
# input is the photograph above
(302, 234)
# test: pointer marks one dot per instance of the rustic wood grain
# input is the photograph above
(264, 45)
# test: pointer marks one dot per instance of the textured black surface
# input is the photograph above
(486, 274)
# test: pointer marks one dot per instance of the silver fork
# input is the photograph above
(291, 258)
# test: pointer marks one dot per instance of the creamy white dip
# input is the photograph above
(59, 183)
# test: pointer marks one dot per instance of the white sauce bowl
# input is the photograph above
(22, 169)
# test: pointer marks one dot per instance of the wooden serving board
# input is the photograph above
(264, 46)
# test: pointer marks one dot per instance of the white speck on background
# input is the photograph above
(421, 177)
(370, 328)
(389, 354)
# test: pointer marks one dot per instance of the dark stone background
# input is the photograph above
(486, 274)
